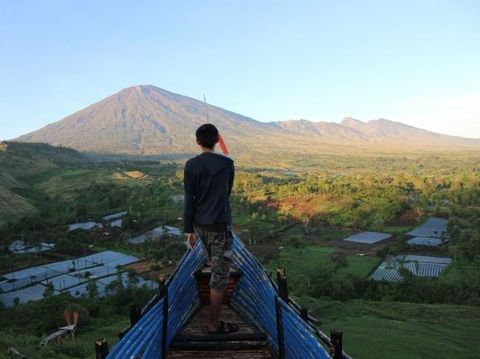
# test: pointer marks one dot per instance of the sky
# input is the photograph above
(416, 62)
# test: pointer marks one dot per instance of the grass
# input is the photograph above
(13, 206)
(302, 262)
(108, 330)
(401, 330)
(23, 327)
(397, 230)
(460, 269)
(299, 261)
(83, 347)
(361, 266)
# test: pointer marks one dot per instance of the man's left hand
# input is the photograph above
(191, 239)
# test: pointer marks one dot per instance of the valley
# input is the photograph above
(296, 217)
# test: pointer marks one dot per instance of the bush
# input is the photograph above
(72, 350)
(295, 241)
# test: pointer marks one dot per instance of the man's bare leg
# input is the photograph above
(216, 298)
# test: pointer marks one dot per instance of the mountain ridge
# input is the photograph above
(145, 119)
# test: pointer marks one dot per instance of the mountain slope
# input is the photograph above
(143, 120)
(19, 161)
(150, 120)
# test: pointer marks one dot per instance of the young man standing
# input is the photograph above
(208, 180)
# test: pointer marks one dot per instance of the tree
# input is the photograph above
(132, 279)
(92, 289)
(49, 291)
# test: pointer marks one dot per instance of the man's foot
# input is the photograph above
(224, 328)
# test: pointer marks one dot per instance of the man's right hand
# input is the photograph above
(191, 239)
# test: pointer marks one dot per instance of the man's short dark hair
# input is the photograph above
(207, 135)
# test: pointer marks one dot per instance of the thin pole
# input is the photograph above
(221, 142)
(206, 107)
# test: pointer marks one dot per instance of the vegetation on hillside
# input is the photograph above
(294, 217)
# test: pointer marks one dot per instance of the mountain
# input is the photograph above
(150, 120)
(144, 120)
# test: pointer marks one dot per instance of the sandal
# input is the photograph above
(225, 328)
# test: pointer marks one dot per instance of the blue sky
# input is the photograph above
(417, 62)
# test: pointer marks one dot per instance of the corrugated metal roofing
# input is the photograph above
(115, 215)
(20, 247)
(425, 241)
(155, 233)
(368, 237)
(138, 239)
(117, 223)
(25, 295)
(434, 227)
(422, 266)
(85, 226)
(30, 284)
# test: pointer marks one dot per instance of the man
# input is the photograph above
(208, 180)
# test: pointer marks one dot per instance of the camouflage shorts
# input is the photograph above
(219, 248)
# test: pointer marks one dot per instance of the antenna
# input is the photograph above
(206, 107)
(221, 142)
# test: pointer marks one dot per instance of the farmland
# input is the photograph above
(401, 330)
(294, 219)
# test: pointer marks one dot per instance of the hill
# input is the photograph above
(18, 162)
(150, 120)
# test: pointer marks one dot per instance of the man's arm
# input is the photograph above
(189, 187)
(230, 180)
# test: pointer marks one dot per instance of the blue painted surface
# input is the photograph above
(254, 297)
(300, 342)
(146, 336)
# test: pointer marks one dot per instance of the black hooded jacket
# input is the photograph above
(208, 181)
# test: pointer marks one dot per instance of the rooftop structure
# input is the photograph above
(19, 247)
(173, 231)
(25, 295)
(117, 223)
(115, 216)
(138, 239)
(418, 265)
(425, 241)
(368, 237)
(84, 226)
(155, 233)
(434, 227)
(71, 275)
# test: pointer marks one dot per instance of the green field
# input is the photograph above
(84, 340)
(460, 269)
(299, 261)
(360, 266)
(302, 264)
(288, 217)
(401, 330)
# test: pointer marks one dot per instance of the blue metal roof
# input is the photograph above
(255, 297)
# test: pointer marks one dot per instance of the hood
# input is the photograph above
(215, 162)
